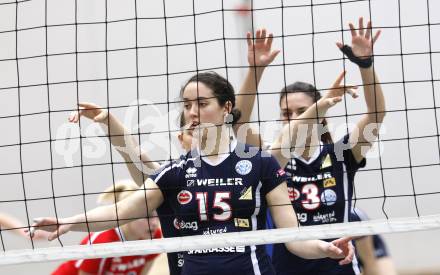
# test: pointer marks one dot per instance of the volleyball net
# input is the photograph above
(131, 58)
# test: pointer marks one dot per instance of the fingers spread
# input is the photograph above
(339, 79)
(352, 30)
(376, 36)
(368, 33)
(361, 26)
(249, 39)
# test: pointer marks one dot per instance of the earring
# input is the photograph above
(229, 118)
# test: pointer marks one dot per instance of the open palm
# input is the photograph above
(362, 41)
(260, 52)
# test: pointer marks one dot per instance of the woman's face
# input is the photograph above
(200, 106)
(293, 105)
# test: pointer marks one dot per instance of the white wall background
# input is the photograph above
(411, 87)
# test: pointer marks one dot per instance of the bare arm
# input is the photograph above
(362, 47)
(284, 216)
(9, 222)
(297, 130)
(140, 204)
(365, 250)
(147, 267)
(260, 55)
(120, 138)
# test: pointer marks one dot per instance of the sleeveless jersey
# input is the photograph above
(215, 198)
(127, 265)
(320, 190)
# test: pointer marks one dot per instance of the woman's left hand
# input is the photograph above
(361, 40)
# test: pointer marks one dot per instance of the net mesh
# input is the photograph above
(131, 57)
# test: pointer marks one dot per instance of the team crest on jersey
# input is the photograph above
(246, 194)
(191, 172)
(243, 167)
(327, 162)
(329, 182)
(241, 222)
(328, 197)
(184, 197)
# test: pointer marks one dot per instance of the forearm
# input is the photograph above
(137, 161)
(248, 91)
(373, 93)
(295, 133)
(312, 249)
(97, 219)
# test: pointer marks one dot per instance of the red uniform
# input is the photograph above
(128, 265)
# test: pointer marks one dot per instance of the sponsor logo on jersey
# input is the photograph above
(243, 167)
(190, 183)
(215, 231)
(191, 172)
(329, 182)
(231, 249)
(328, 197)
(241, 222)
(326, 175)
(220, 182)
(302, 217)
(325, 218)
(293, 193)
(327, 162)
(184, 197)
(280, 173)
(179, 225)
(246, 194)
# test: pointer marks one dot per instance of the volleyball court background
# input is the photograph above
(409, 154)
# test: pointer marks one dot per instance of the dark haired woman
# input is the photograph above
(321, 172)
(212, 189)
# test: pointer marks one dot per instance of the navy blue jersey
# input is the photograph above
(167, 221)
(380, 249)
(228, 196)
(320, 190)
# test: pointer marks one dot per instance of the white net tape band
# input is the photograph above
(221, 240)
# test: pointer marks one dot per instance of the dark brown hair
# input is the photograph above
(221, 89)
(311, 92)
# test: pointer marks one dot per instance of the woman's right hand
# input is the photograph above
(89, 110)
(260, 52)
(336, 92)
(55, 227)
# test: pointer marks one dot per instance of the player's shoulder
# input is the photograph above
(176, 164)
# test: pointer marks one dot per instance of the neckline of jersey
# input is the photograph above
(223, 156)
(313, 158)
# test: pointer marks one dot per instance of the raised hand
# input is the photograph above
(260, 53)
(49, 224)
(89, 110)
(361, 40)
(335, 93)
